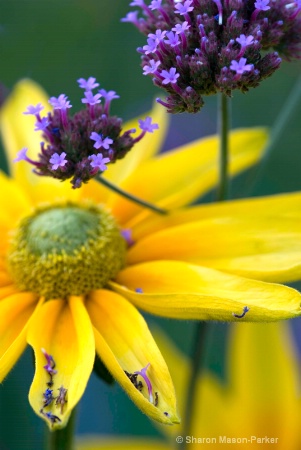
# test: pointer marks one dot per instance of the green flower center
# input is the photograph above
(66, 250)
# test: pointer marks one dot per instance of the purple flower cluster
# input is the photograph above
(201, 47)
(79, 147)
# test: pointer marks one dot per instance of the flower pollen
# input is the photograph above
(66, 250)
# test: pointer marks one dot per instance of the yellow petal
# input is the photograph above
(15, 313)
(52, 191)
(189, 171)
(124, 342)
(124, 443)
(185, 291)
(14, 201)
(18, 129)
(283, 205)
(264, 377)
(142, 151)
(64, 330)
(5, 279)
(265, 248)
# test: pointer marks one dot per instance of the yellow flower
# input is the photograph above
(258, 405)
(69, 284)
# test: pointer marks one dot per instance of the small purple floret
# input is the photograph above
(152, 67)
(240, 67)
(181, 28)
(184, 8)
(137, 3)
(99, 162)
(170, 76)
(58, 160)
(262, 5)
(172, 39)
(40, 125)
(50, 363)
(151, 46)
(108, 95)
(147, 125)
(34, 110)
(142, 373)
(131, 17)
(88, 84)
(21, 155)
(244, 41)
(155, 4)
(126, 233)
(91, 99)
(60, 102)
(100, 142)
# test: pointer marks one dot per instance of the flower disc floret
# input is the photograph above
(66, 250)
(209, 36)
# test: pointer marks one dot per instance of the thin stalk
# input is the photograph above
(197, 360)
(202, 329)
(62, 439)
(223, 131)
(285, 116)
(131, 197)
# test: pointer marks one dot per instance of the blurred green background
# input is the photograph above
(56, 42)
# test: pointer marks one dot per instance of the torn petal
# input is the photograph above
(125, 345)
(63, 330)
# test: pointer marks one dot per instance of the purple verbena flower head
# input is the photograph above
(78, 147)
(195, 42)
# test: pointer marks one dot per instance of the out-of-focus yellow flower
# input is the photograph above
(69, 281)
(257, 406)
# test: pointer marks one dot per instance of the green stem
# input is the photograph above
(62, 439)
(202, 329)
(223, 131)
(196, 366)
(285, 116)
(131, 197)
